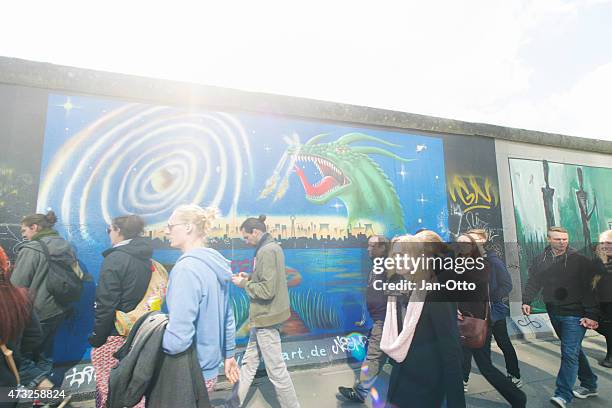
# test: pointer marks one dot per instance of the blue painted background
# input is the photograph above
(104, 158)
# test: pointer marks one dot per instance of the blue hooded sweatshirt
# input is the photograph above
(500, 286)
(199, 307)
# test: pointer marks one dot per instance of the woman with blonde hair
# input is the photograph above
(603, 286)
(420, 334)
(198, 298)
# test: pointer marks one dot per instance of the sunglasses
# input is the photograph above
(170, 226)
(109, 229)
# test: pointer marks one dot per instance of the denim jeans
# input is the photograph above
(36, 366)
(264, 343)
(374, 361)
(573, 361)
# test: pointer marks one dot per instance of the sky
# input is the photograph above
(542, 65)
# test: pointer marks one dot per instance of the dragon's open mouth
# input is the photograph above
(331, 177)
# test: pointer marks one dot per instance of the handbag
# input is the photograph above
(472, 330)
(152, 300)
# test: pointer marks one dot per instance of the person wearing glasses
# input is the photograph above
(198, 298)
(123, 282)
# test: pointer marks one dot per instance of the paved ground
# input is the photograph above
(539, 365)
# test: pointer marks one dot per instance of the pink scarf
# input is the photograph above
(396, 345)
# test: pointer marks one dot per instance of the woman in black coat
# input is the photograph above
(123, 282)
(478, 306)
(431, 372)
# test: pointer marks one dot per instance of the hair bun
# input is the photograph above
(51, 217)
(262, 218)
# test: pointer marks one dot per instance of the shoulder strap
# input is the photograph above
(45, 251)
(487, 304)
(8, 355)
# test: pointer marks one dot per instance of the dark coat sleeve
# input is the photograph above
(32, 335)
(108, 295)
(503, 280)
(444, 321)
(589, 300)
(30, 338)
(534, 283)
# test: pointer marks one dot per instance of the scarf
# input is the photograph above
(394, 343)
(263, 239)
(47, 232)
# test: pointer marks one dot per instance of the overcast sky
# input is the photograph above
(542, 64)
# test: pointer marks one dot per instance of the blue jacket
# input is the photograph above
(199, 307)
(500, 286)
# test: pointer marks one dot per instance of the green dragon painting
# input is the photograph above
(348, 173)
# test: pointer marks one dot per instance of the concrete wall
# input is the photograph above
(475, 155)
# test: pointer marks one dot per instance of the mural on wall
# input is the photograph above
(546, 194)
(472, 187)
(22, 138)
(324, 187)
(470, 196)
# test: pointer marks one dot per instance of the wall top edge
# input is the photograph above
(53, 77)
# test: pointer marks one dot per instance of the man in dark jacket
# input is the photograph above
(376, 302)
(565, 278)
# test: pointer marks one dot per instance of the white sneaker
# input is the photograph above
(516, 381)
(558, 401)
(583, 392)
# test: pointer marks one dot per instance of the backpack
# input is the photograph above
(152, 301)
(64, 277)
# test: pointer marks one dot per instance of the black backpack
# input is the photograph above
(64, 277)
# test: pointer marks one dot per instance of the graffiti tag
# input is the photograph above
(473, 192)
(528, 321)
(350, 344)
(80, 377)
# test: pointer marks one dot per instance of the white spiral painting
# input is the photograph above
(146, 160)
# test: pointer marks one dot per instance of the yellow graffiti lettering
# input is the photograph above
(473, 192)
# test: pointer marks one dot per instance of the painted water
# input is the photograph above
(326, 286)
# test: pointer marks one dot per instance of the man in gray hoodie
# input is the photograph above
(267, 291)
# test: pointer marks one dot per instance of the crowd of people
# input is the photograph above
(184, 319)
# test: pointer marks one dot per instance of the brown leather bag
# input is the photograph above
(472, 330)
